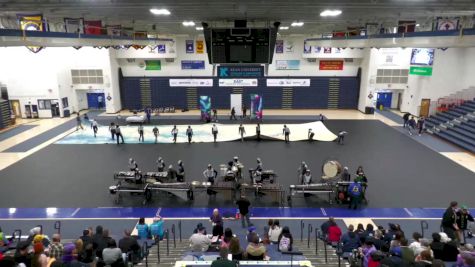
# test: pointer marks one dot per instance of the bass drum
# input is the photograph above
(331, 170)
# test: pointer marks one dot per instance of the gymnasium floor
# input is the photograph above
(403, 172)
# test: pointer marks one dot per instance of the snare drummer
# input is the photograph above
(256, 173)
(210, 174)
(160, 165)
(302, 170)
(180, 176)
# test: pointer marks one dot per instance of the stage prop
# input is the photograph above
(256, 107)
(205, 107)
(236, 103)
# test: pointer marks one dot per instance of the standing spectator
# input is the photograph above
(142, 229)
(189, 133)
(39, 258)
(286, 133)
(321, 117)
(174, 133)
(285, 240)
(148, 113)
(274, 232)
(216, 218)
(199, 242)
(242, 132)
(367, 249)
(112, 130)
(78, 122)
(233, 114)
(69, 256)
(98, 241)
(94, 127)
(411, 125)
(405, 117)
(355, 191)
(156, 228)
(22, 255)
(449, 220)
(424, 259)
(140, 130)
(223, 261)
(214, 131)
(244, 111)
(118, 133)
(350, 240)
(420, 125)
(155, 133)
(56, 249)
(86, 237)
(326, 225)
(111, 254)
(128, 243)
(334, 233)
(243, 205)
(416, 244)
(463, 219)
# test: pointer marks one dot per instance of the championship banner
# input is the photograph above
(287, 64)
(190, 47)
(93, 27)
(205, 108)
(447, 24)
(139, 35)
(331, 65)
(153, 65)
(256, 107)
(74, 25)
(327, 50)
(200, 47)
(32, 23)
(161, 48)
(279, 46)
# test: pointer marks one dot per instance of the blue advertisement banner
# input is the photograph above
(161, 48)
(240, 71)
(190, 46)
(192, 64)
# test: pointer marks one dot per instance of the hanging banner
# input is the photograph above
(74, 25)
(317, 49)
(192, 64)
(327, 50)
(32, 23)
(139, 35)
(200, 47)
(447, 24)
(287, 64)
(191, 82)
(205, 108)
(237, 82)
(240, 71)
(93, 27)
(190, 47)
(279, 46)
(289, 47)
(288, 82)
(161, 48)
(331, 64)
(307, 49)
(153, 65)
(256, 107)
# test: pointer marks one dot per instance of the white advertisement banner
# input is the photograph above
(288, 82)
(237, 82)
(191, 82)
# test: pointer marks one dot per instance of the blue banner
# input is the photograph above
(240, 71)
(190, 46)
(161, 49)
(192, 64)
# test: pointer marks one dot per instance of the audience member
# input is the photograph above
(22, 255)
(324, 227)
(142, 229)
(449, 220)
(198, 227)
(86, 237)
(424, 259)
(366, 250)
(111, 254)
(68, 253)
(334, 233)
(216, 218)
(78, 249)
(156, 228)
(199, 241)
(39, 258)
(379, 243)
(266, 240)
(285, 240)
(250, 232)
(128, 243)
(416, 244)
(406, 252)
(465, 259)
(226, 240)
(235, 249)
(223, 261)
(463, 219)
(56, 249)
(350, 240)
(274, 232)
(99, 244)
(255, 250)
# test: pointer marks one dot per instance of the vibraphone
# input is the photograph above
(312, 189)
(156, 176)
(275, 191)
(227, 189)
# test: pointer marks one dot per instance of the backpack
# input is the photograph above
(284, 244)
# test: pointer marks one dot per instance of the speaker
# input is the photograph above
(240, 23)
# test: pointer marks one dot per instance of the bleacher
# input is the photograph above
(455, 125)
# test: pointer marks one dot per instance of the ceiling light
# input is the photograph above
(283, 27)
(188, 23)
(296, 24)
(199, 28)
(162, 11)
(330, 13)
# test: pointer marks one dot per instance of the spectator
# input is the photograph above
(366, 250)
(235, 249)
(463, 219)
(112, 254)
(355, 192)
(369, 230)
(285, 240)
(56, 249)
(270, 222)
(128, 243)
(250, 232)
(405, 118)
(223, 261)
(78, 249)
(243, 205)
(350, 240)
(86, 237)
(391, 233)
(39, 258)
(334, 233)
(156, 228)
(68, 253)
(199, 241)
(217, 230)
(226, 240)
(142, 229)
(198, 227)
(396, 242)
(88, 255)
(22, 255)
(99, 244)
(424, 259)
(379, 243)
(437, 246)
(406, 252)
(324, 227)
(450, 251)
(360, 231)
(216, 218)
(274, 232)
(465, 259)
(438, 263)
(416, 244)
(255, 250)
(449, 220)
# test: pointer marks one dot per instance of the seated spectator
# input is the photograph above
(406, 252)
(68, 254)
(22, 255)
(223, 261)
(88, 255)
(369, 231)
(390, 233)
(350, 240)
(416, 244)
(334, 233)
(255, 250)
(37, 237)
(450, 251)
(112, 254)
(128, 243)
(78, 248)
(199, 241)
(142, 229)
(39, 257)
(86, 237)
(324, 227)
(156, 228)
(424, 259)
(437, 246)
(465, 259)
(250, 232)
(226, 240)
(396, 242)
(235, 249)
(394, 259)
(266, 240)
(274, 232)
(216, 218)
(56, 249)
(199, 226)
(98, 241)
(285, 240)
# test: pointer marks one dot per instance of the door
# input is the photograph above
(399, 101)
(425, 105)
(55, 108)
(95, 100)
(16, 108)
(28, 111)
(384, 99)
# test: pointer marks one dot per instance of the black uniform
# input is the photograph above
(180, 176)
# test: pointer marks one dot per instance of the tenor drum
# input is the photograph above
(331, 169)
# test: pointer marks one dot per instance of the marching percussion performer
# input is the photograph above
(174, 133)
(94, 127)
(189, 133)
(311, 134)
(210, 174)
(133, 166)
(214, 131)
(307, 178)
(172, 173)
(286, 132)
(341, 137)
(160, 164)
(242, 132)
(155, 133)
(180, 176)
(302, 170)
(237, 167)
(256, 173)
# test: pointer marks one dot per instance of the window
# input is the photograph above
(44, 104)
(386, 76)
(87, 76)
(65, 102)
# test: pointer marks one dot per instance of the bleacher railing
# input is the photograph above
(167, 234)
(309, 231)
(179, 229)
(173, 233)
(157, 242)
(424, 226)
(57, 226)
(302, 226)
